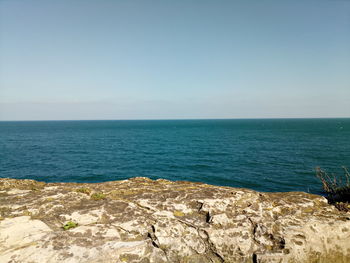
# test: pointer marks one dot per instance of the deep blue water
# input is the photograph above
(265, 155)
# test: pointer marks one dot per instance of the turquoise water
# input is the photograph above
(265, 155)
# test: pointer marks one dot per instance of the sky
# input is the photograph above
(183, 59)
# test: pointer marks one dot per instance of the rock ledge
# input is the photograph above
(142, 220)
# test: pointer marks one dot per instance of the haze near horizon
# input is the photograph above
(83, 60)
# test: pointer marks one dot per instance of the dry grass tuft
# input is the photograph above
(337, 188)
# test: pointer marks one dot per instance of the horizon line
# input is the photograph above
(179, 119)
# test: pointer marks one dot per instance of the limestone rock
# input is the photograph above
(141, 220)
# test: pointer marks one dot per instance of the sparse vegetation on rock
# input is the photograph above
(98, 196)
(84, 190)
(336, 188)
(69, 225)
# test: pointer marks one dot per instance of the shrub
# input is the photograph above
(336, 188)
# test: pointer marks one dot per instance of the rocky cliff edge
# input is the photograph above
(142, 220)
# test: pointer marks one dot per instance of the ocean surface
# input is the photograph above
(261, 154)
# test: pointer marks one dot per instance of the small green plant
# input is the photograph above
(98, 196)
(84, 190)
(69, 225)
(336, 188)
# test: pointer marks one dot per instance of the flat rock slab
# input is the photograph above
(142, 220)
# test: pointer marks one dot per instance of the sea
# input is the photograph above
(270, 155)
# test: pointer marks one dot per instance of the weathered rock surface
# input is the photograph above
(141, 220)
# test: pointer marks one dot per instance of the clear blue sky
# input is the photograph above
(174, 59)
